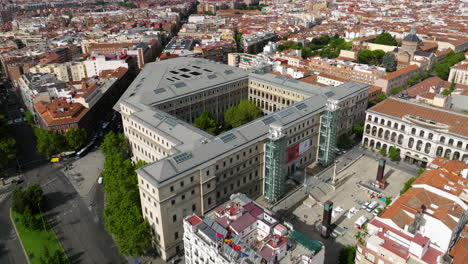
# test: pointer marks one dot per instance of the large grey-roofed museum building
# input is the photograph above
(190, 170)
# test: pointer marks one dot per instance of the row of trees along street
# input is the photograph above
(122, 213)
(50, 143)
(7, 144)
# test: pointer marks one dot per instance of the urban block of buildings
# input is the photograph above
(420, 132)
(426, 224)
(241, 231)
(191, 171)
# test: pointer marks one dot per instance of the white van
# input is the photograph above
(372, 206)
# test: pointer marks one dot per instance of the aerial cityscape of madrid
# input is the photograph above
(233, 131)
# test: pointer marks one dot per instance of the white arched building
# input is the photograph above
(420, 132)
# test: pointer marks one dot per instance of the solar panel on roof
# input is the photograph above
(159, 116)
(228, 137)
(180, 85)
(293, 81)
(171, 121)
(212, 76)
(329, 94)
(268, 120)
(228, 71)
(301, 106)
(286, 113)
(159, 90)
(183, 157)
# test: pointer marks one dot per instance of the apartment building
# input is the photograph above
(420, 132)
(59, 107)
(190, 171)
(217, 51)
(255, 42)
(67, 72)
(397, 78)
(427, 224)
(97, 63)
(242, 231)
(459, 73)
(350, 71)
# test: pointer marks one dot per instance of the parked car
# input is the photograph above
(364, 206)
(372, 206)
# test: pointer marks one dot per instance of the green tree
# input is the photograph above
(388, 201)
(31, 198)
(420, 171)
(358, 130)
(407, 185)
(442, 69)
(48, 142)
(389, 62)
(361, 235)
(347, 255)
(114, 144)
(385, 39)
(122, 211)
(7, 143)
(29, 117)
(393, 153)
(383, 152)
(344, 141)
(76, 137)
(206, 123)
(58, 257)
(31, 221)
(243, 113)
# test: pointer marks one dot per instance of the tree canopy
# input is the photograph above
(48, 142)
(347, 255)
(385, 39)
(393, 153)
(374, 57)
(7, 143)
(122, 211)
(76, 137)
(442, 69)
(389, 62)
(325, 46)
(242, 113)
(31, 198)
(205, 122)
(56, 257)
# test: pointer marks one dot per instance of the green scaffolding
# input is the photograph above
(328, 136)
(275, 178)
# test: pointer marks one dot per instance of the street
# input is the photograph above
(10, 247)
(79, 228)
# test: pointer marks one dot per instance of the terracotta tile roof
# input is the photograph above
(413, 200)
(400, 72)
(53, 114)
(194, 220)
(424, 86)
(374, 89)
(457, 121)
(459, 252)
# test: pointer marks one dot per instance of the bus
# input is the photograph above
(84, 150)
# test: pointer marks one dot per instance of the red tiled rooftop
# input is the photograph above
(400, 72)
(457, 121)
(243, 222)
(194, 220)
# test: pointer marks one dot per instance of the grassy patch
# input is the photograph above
(34, 241)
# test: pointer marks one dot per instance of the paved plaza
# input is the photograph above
(348, 194)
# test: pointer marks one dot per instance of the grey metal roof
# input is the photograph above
(195, 148)
(166, 80)
(412, 38)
